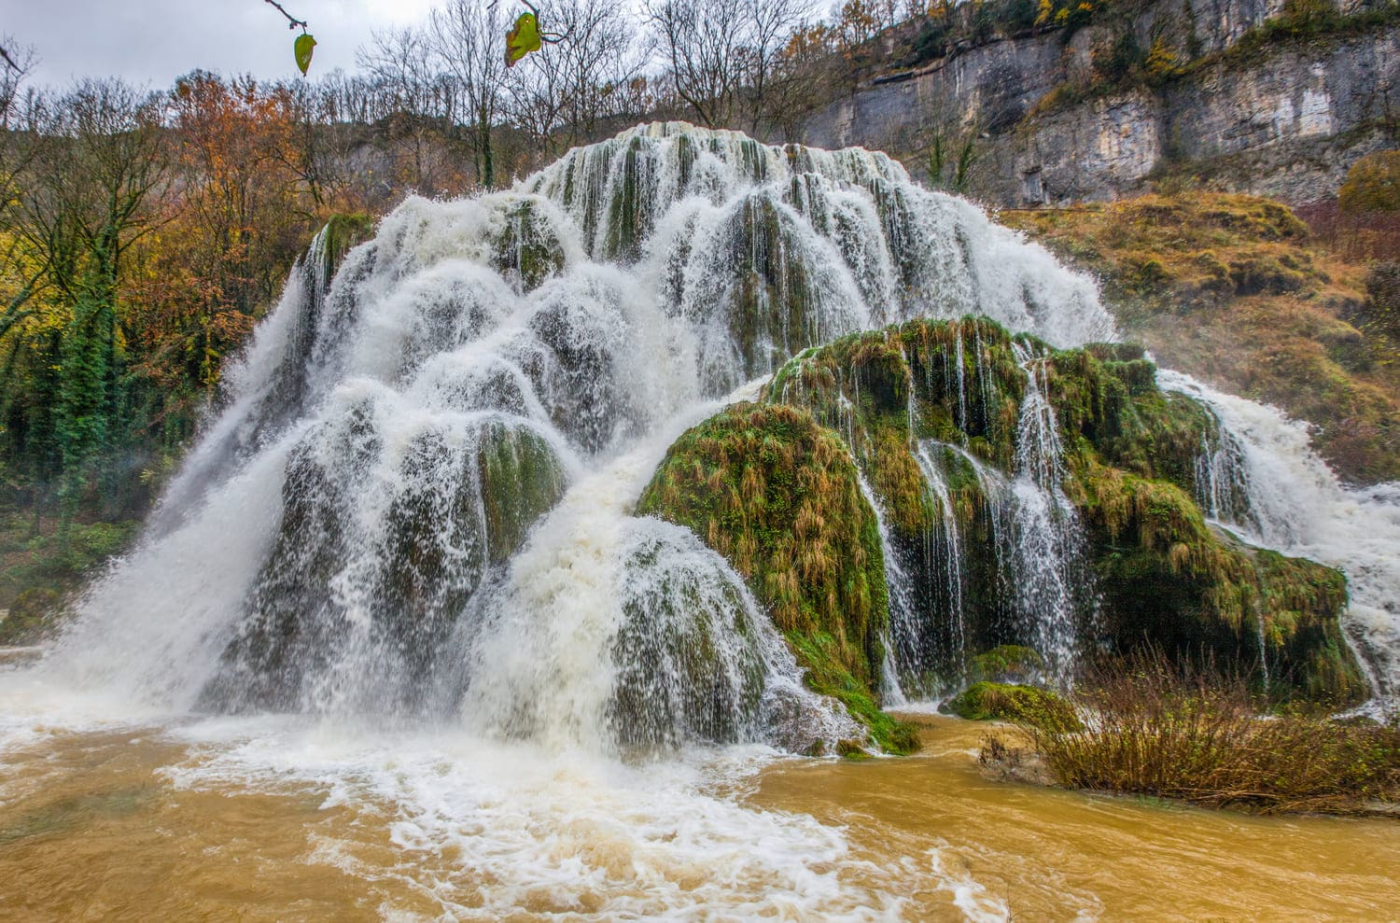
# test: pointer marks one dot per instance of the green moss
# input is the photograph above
(1166, 578)
(818, 654)
(627, 215)
(777, 495)
(520, 479)
(1006, 663)
(40, 572)
(528, 250)
(1131, 451)
(343, 232)
(1029, 705)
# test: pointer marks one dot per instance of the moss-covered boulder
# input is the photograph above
(778, 496)
(1029, 705)
(1006, 663)
(1169, 579)
(687, 651)
(342, 232)
(528, 250)
(935, 414)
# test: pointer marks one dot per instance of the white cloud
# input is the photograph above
(155, 41)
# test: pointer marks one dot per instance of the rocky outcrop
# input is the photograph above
(779, 497)
(1282, 112)
(1023, 496)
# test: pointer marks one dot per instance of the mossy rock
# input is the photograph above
(777, 495)
(1029, 705)
(528, 250)
(521, 478)
(342, 233)
(1007, 663)
(1168, 579)
(688, 665)
(826, 676)
(951, 391)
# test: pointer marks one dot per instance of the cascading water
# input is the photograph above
(951, 553)
(467, 369)
(414, 509)
(1047, 538)
(1295, 504)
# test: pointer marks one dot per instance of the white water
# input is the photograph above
(1047, 537)
(492, 707)
(1297, 506)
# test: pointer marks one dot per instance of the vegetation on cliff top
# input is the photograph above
(1234, 290)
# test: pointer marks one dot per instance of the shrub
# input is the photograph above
(1380, 313)
(1119, 60)
(1025, 705)
(1372, 184)
(1190, 733)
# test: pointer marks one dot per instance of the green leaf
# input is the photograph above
(303, 46)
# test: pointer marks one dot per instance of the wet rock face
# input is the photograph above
(528, 249)
(688, 665)
(346, 584)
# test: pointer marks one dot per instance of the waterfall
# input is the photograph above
(950, 556)
(901, 634)
(1048, 538)
(1295, 504)
(415, 500)
(401, 569)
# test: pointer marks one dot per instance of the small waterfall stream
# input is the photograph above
(1048, 538)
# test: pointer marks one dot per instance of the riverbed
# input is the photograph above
(282, 819)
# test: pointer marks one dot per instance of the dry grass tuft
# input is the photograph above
(1175, 731)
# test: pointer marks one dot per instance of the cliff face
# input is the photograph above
(1244, 93)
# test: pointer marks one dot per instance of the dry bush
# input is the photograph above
(1155, 728)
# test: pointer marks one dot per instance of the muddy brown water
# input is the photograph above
(93, 826)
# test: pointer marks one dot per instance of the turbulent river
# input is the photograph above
(394, 645)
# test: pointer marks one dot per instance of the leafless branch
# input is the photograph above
(292, 21)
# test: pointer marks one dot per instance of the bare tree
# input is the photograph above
(770, 25)
(16, 153)
(702, 42)
(723, 56)
(563, 93)
(401, 62)
(466, 36)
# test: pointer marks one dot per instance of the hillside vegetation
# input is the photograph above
(1238, 291)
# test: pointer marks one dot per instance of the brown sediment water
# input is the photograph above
(106, 825)
(1040, 853)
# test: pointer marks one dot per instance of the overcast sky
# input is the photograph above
(155, 41)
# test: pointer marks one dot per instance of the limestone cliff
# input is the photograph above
(1260, 96)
